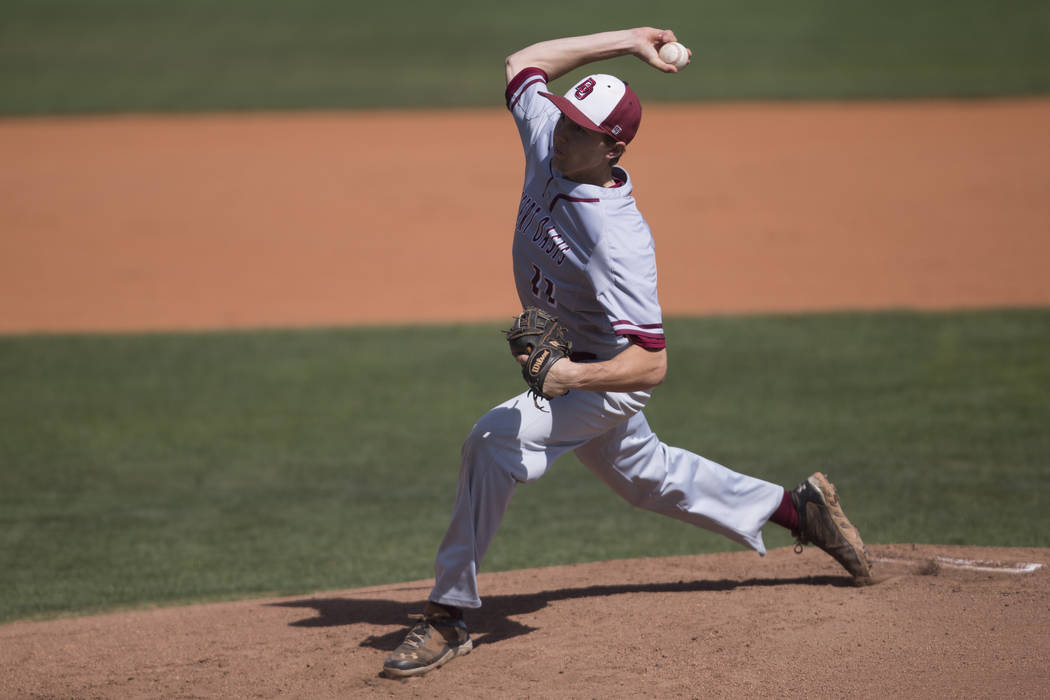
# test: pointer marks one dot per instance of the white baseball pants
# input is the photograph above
(517, 442)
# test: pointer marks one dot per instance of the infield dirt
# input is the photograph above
(134, 223)
(716, 625)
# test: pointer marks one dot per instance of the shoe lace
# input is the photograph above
(800, 537)
(417, 636)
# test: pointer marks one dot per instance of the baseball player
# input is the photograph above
(583, 253)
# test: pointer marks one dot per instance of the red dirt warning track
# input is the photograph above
(287, 220)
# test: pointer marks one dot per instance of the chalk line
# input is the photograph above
(999, 567)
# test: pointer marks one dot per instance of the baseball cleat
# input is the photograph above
(436, 639)
(821, 522)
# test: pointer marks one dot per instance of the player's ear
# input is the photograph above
(616, 150)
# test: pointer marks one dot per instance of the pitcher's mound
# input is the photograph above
(940, 621)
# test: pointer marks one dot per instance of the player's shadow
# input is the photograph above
(494, 623)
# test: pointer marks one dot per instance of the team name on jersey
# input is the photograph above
(535, 224)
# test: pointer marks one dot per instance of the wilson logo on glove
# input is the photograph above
(536, 363)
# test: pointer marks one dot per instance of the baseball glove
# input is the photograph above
(540, 336)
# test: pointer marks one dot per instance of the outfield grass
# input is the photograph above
(74, 56)
(174, 467)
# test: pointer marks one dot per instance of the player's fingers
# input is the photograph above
(652, 52)
(648, 45)
(652, 57)
(652, 35)
(666, 37)
(662, 65)
(522, 359)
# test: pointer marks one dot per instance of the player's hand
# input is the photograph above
(558, 377)
(648, 41)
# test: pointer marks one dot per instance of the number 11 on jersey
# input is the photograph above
(547, 291)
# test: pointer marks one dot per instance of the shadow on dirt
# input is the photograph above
(495, 623)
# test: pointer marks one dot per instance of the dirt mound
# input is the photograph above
(942, 621)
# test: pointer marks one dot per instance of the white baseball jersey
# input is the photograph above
(583, 252)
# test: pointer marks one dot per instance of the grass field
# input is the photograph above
(76, 56)
(160, 468)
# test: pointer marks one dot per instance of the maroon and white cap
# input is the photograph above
(602, 103)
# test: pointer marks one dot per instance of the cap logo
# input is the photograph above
(585, 88)
(616, 130)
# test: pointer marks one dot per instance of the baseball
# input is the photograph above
(674, 53)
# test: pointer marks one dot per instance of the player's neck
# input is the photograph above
(602, 177)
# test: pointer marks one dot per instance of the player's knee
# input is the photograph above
(494, 444)
(487, 450)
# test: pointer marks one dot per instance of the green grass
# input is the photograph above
(174, 467)
(75, 56)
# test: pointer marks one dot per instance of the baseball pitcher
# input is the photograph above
(591, 345)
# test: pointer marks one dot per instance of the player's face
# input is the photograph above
(581, 154)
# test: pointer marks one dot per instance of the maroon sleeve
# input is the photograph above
(519, 82)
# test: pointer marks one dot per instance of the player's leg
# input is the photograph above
(683, 485)
(514, 442)
(492, 463)
(650, 474)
